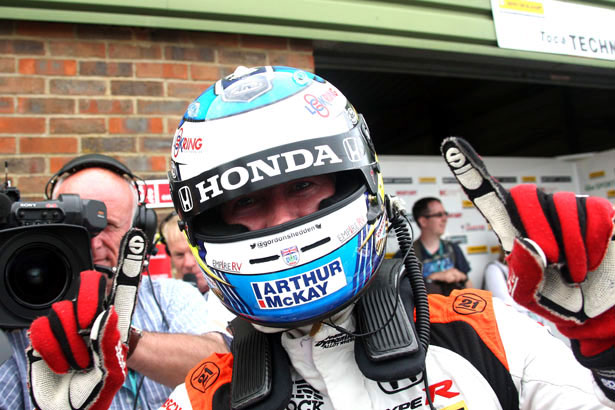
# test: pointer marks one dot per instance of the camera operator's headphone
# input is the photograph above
(144, 219)
(161, 237)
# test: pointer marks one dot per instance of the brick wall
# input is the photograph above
(69, 89)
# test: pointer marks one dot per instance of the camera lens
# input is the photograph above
(37, 275)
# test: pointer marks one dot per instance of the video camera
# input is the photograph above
(43, 248)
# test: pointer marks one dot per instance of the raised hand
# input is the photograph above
(561, 256)
(77, 359)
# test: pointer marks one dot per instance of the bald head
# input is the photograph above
(119, 196)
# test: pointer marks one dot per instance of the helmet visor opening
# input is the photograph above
(210, 225)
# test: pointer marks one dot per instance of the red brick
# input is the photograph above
(201, 54)
(303, 61)
(130, 52)
(101, 68)
(45, 30)
(135, 125)
(47, 67)
(215, 39)
(7, 105)
(141, 164)
(301, 45)
(156, 144)
(189, 90)
(48, 145)
(77, 87)
(56, 163)
(22, 47)
(45, 106)
(77, 125)
(165, 107)
(22, 125)
(204, 72)
(7, 65)
(276, 43)
(108, 144)
(152, 88)
(157, 70)
(158, 163)
(8, 145)
(170, 36)
(21, 85)
(31, 187)
(77, 49)
(23, 165)
(97, 106)
(100, 32)
(171, 124)
(239, 57)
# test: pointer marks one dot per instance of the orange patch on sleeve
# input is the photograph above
(207, 377)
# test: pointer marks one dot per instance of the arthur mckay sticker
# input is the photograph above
(300, 289)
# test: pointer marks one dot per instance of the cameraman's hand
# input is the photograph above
(77, 359)
(561, 256)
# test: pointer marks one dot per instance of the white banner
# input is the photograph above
(556, 27)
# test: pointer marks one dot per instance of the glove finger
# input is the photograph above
(484, 191)
(126, 281)
(92, 289)
(63, 324)
(47, 346)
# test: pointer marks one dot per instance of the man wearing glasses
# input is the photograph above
(444, 266)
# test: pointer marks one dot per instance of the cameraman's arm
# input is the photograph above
(167, 357)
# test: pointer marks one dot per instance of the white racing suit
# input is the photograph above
(483, 355)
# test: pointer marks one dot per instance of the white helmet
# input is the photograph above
(258, 128)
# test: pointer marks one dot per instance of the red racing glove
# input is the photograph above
(77, 357)
(561, 256)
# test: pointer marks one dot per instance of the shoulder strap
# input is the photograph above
(391, 351)
(260, 362)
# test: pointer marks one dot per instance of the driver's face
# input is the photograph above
(279, 204)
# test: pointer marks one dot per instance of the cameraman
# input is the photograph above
(170, 312)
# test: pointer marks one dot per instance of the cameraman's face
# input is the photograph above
(116, 193)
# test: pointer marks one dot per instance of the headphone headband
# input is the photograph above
(144, 218)
(91, 161)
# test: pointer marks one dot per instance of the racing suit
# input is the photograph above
(482, 355)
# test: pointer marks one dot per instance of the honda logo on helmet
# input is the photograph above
(185, 198)
(354, 149)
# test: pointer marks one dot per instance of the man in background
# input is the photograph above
(171, 314)
(444, 266)
(182, 260)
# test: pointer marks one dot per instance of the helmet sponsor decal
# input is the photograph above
(226, 266)
(247, 89)
(193, 109)
(270, 167)
(290, 255)
(185, 199)
(186, 144)
(354, 149)
(300, 289)
(318, 105)
(289, 235)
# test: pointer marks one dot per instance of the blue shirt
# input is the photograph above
(185, 311)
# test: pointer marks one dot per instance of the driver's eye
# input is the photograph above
(301, 185)
(245, 201)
